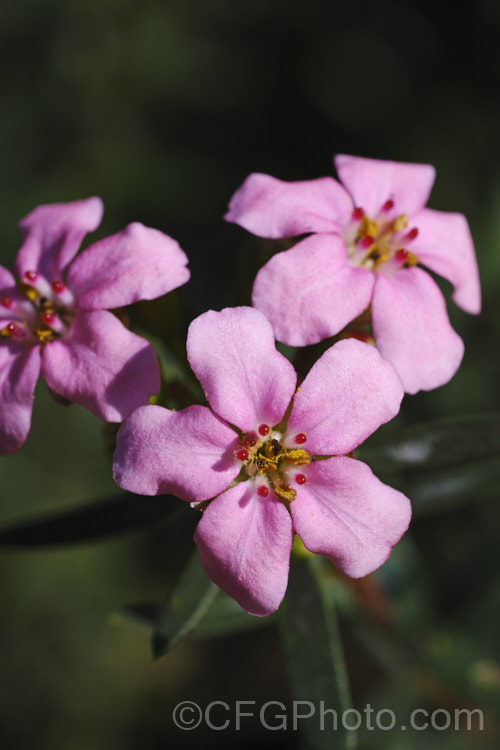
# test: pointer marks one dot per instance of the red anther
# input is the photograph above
(58, 287)
(358, 214)
(388, 205)
(242, 454)
(12, 329)
(301, 438)
(401, 255)
(249, 440)
(412, 234)
(31, 275)
(264, 430)
(262, 491)
(300, 478)
(6, 302)
(366, 241)
(48, 318)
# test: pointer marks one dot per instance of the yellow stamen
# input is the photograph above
(368, 227)
(44, 334)
(399, 223)
(411, 260)
(296, 457)
(27, 290)
(285, 492)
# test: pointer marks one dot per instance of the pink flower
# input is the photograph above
(275, 468)
(55, 318)
(368, 238)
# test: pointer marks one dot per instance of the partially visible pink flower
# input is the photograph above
(55, 318)
(368, 238)
(273, 470)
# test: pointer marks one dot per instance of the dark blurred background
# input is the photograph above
(162, 109)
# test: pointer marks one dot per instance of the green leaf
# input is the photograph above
(435, 445)
(314, 657)
(442, 464)
(116, 515)
(185, 608)
(437, 491)
(225, 616)
(139, 613)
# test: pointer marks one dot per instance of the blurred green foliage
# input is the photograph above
(162, 108)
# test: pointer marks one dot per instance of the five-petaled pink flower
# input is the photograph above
(274, 466)
(368, 237)
(55, 318)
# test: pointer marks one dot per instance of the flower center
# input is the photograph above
(380, 243)
(264, 456)
(39, 312)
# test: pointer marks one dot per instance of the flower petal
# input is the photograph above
(245, 542)
(188, 453)
(134, 264)
(444, 245)
(246, 381)
(345, 513)
(372, 182)
(311, 291)
(102, 366)
(269, 207)
(53, 233)
(348, 393)
(19, 370)
(7, 281)
(412, 329)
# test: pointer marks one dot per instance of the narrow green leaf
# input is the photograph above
(116, 515)
(314, 657)
(139, 613)
(225, 616)
(435, 445)
(185, 608)
(437, 491)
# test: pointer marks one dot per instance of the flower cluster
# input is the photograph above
(267, 458)
(55, 318)
(367, 237)
(273, 456)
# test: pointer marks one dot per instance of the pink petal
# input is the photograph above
(372, 182)
(102, 366)
(19, 370)
(52, 234)
(188, 453)
(134, 264)
(269, 207)
(345, 513)
(412, 329)
(7, 281)
(444, 245)
(311, 291)
(348, 393)
(246, 381)
(244, 542)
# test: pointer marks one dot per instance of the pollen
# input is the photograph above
(399, 223)
(297, 457)
(285, 492)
